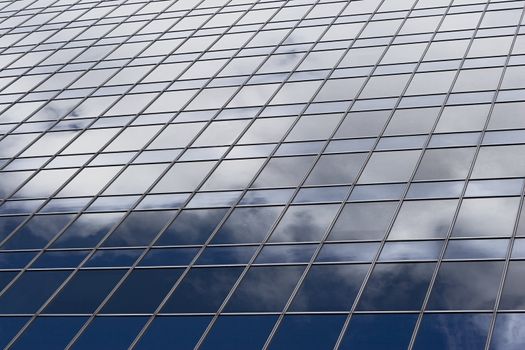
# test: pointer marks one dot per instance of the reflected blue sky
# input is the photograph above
(453, 331)
(378, 332)
(178, 165)
(239, 332)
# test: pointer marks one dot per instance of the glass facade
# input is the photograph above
(262, 174)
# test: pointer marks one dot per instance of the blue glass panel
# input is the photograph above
(23, 297)
(512, 295)
(453, 331)
(379, 332)
(286, 253)
(226, 255)
(202, 290)
(181, 333)
(49, 333)
(90, 286)
(8, 224)
(113, 258)
(139, 228)
(334, 252)
(87, 230)
(60, 259)
(265, 289)
(396, 287)
(142, 291)
(6, 277)
(308, 332)
(329, 288)
(466, 286)
(14, 260)
(37, 232)
(9, 326)
(110, 333)
(508, 332)
(239, 332)
(169, 256)
(247, 225)
(191, 227)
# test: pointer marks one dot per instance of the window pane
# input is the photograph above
(318, 332)
(453, 331)
(182, 332)
(264, 289)
(329, 288)
(247, 225)
(142, 291)
(304, 223)
(90, 286)
(202, 290)
(54, 332)
(110, 332)
(397, 287)
(389, 167)
(363, 221)
(23, 298)
(378, 332)
(185, 230)
(239, 332)
(466, 286)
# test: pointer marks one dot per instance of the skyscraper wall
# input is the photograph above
(237, 175)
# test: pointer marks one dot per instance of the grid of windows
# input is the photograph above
(262, 174)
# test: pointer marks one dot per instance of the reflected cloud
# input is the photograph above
(304, 223)
(508, 332)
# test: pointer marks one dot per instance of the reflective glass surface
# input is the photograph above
(262, 174)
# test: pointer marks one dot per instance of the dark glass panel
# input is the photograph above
(334, 252)
(247, 225)
(466, 286)
(50, 333)
(110, 333)
(113, 258)
(55, 259)
(191, 227)
(397, 287)
(15, 260)
(512, 296)
(508, 332)
(304, 223)
(329, 288)
(90, 286)
(202, 290)
(139, 228)
(226, 255)
(142, 291)
(265, 289)
(8, 224)
(453, 331)
(286, 254)
(37, 232)
(168, 256)
(87, 230)
(379, 332)
(239, 332)
(180, 332)
(308, 332)
(23, 297)
(9, 326)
